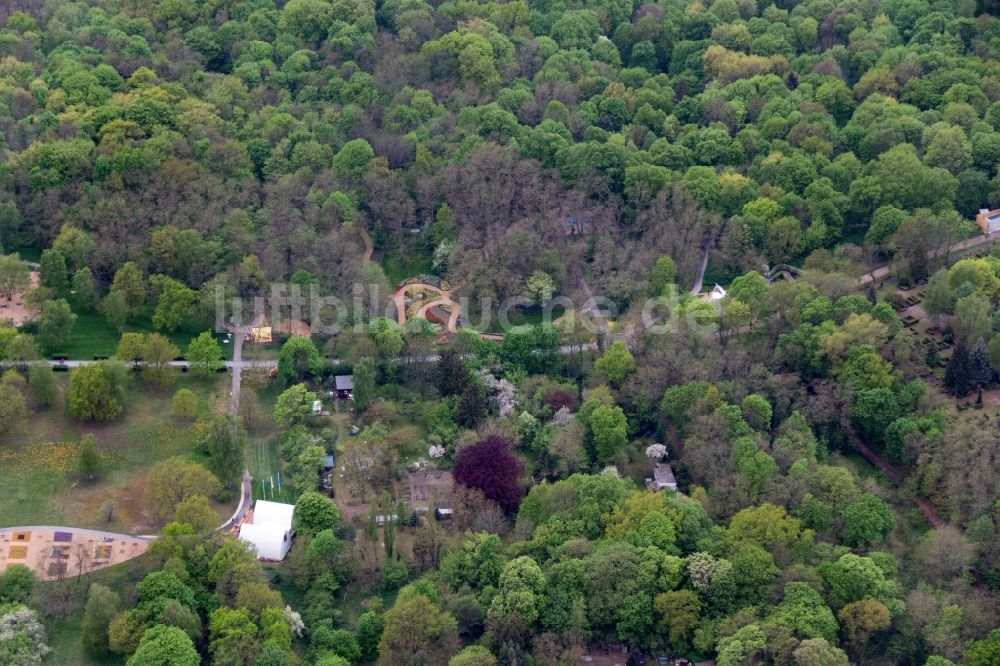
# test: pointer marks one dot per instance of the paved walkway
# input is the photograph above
(246, 487)
(231, 365)
(883, 272)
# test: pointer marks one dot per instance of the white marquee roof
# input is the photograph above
(273, 513)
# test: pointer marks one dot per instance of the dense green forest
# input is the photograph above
(190, 135)
(833, 421)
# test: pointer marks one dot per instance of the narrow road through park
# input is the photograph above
(883, 272)
(246, 487)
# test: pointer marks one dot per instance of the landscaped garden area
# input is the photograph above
(40, 481)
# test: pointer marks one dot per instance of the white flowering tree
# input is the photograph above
(500, 393)
(656, 452)
(22, 637)
(562, 417)
(294, 621)
(436, 451)
(704, 571)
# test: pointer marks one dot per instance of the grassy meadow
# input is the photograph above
(37, 464)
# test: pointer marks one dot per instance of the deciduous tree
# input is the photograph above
(867, 521)
(315, 513)
(115, 309)
(862, 620)
(52, 270)
(86, 293)
(225, 442)
(364, 384)
(298, 360)
(185, 403)
(608, 430)
(818, 652)
(616, 363)
(415, 628)
(204, 355)
(294, 405)
(14, 276)
(101, 608)
(130, 282)
(174, 480)
(13, 410)
(42, 382)
(55, 324)
(489, 466)
(89, 459)
(157, 354)
(91, 396)
(197, 512)
(165, 645)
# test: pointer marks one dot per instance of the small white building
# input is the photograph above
(662, 479)
(270, 529)
(717, 293)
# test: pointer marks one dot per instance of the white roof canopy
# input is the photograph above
(273, 513)
(270, 529)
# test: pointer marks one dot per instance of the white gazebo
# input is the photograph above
(270, 529)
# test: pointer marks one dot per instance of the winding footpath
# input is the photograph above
(896, 477)
(443, 298)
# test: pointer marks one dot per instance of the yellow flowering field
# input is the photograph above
(57, 457)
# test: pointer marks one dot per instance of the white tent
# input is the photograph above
(270, 529)
(717, 293)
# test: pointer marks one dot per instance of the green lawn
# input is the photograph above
(37, 464)
(523, 315)
(533, 315)
(264, 461)
(398, 267)
(264, 456)
(93, 337)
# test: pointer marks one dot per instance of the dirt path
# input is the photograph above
(699, 277)
(591, 304)
(894, 475)
(369, 247)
